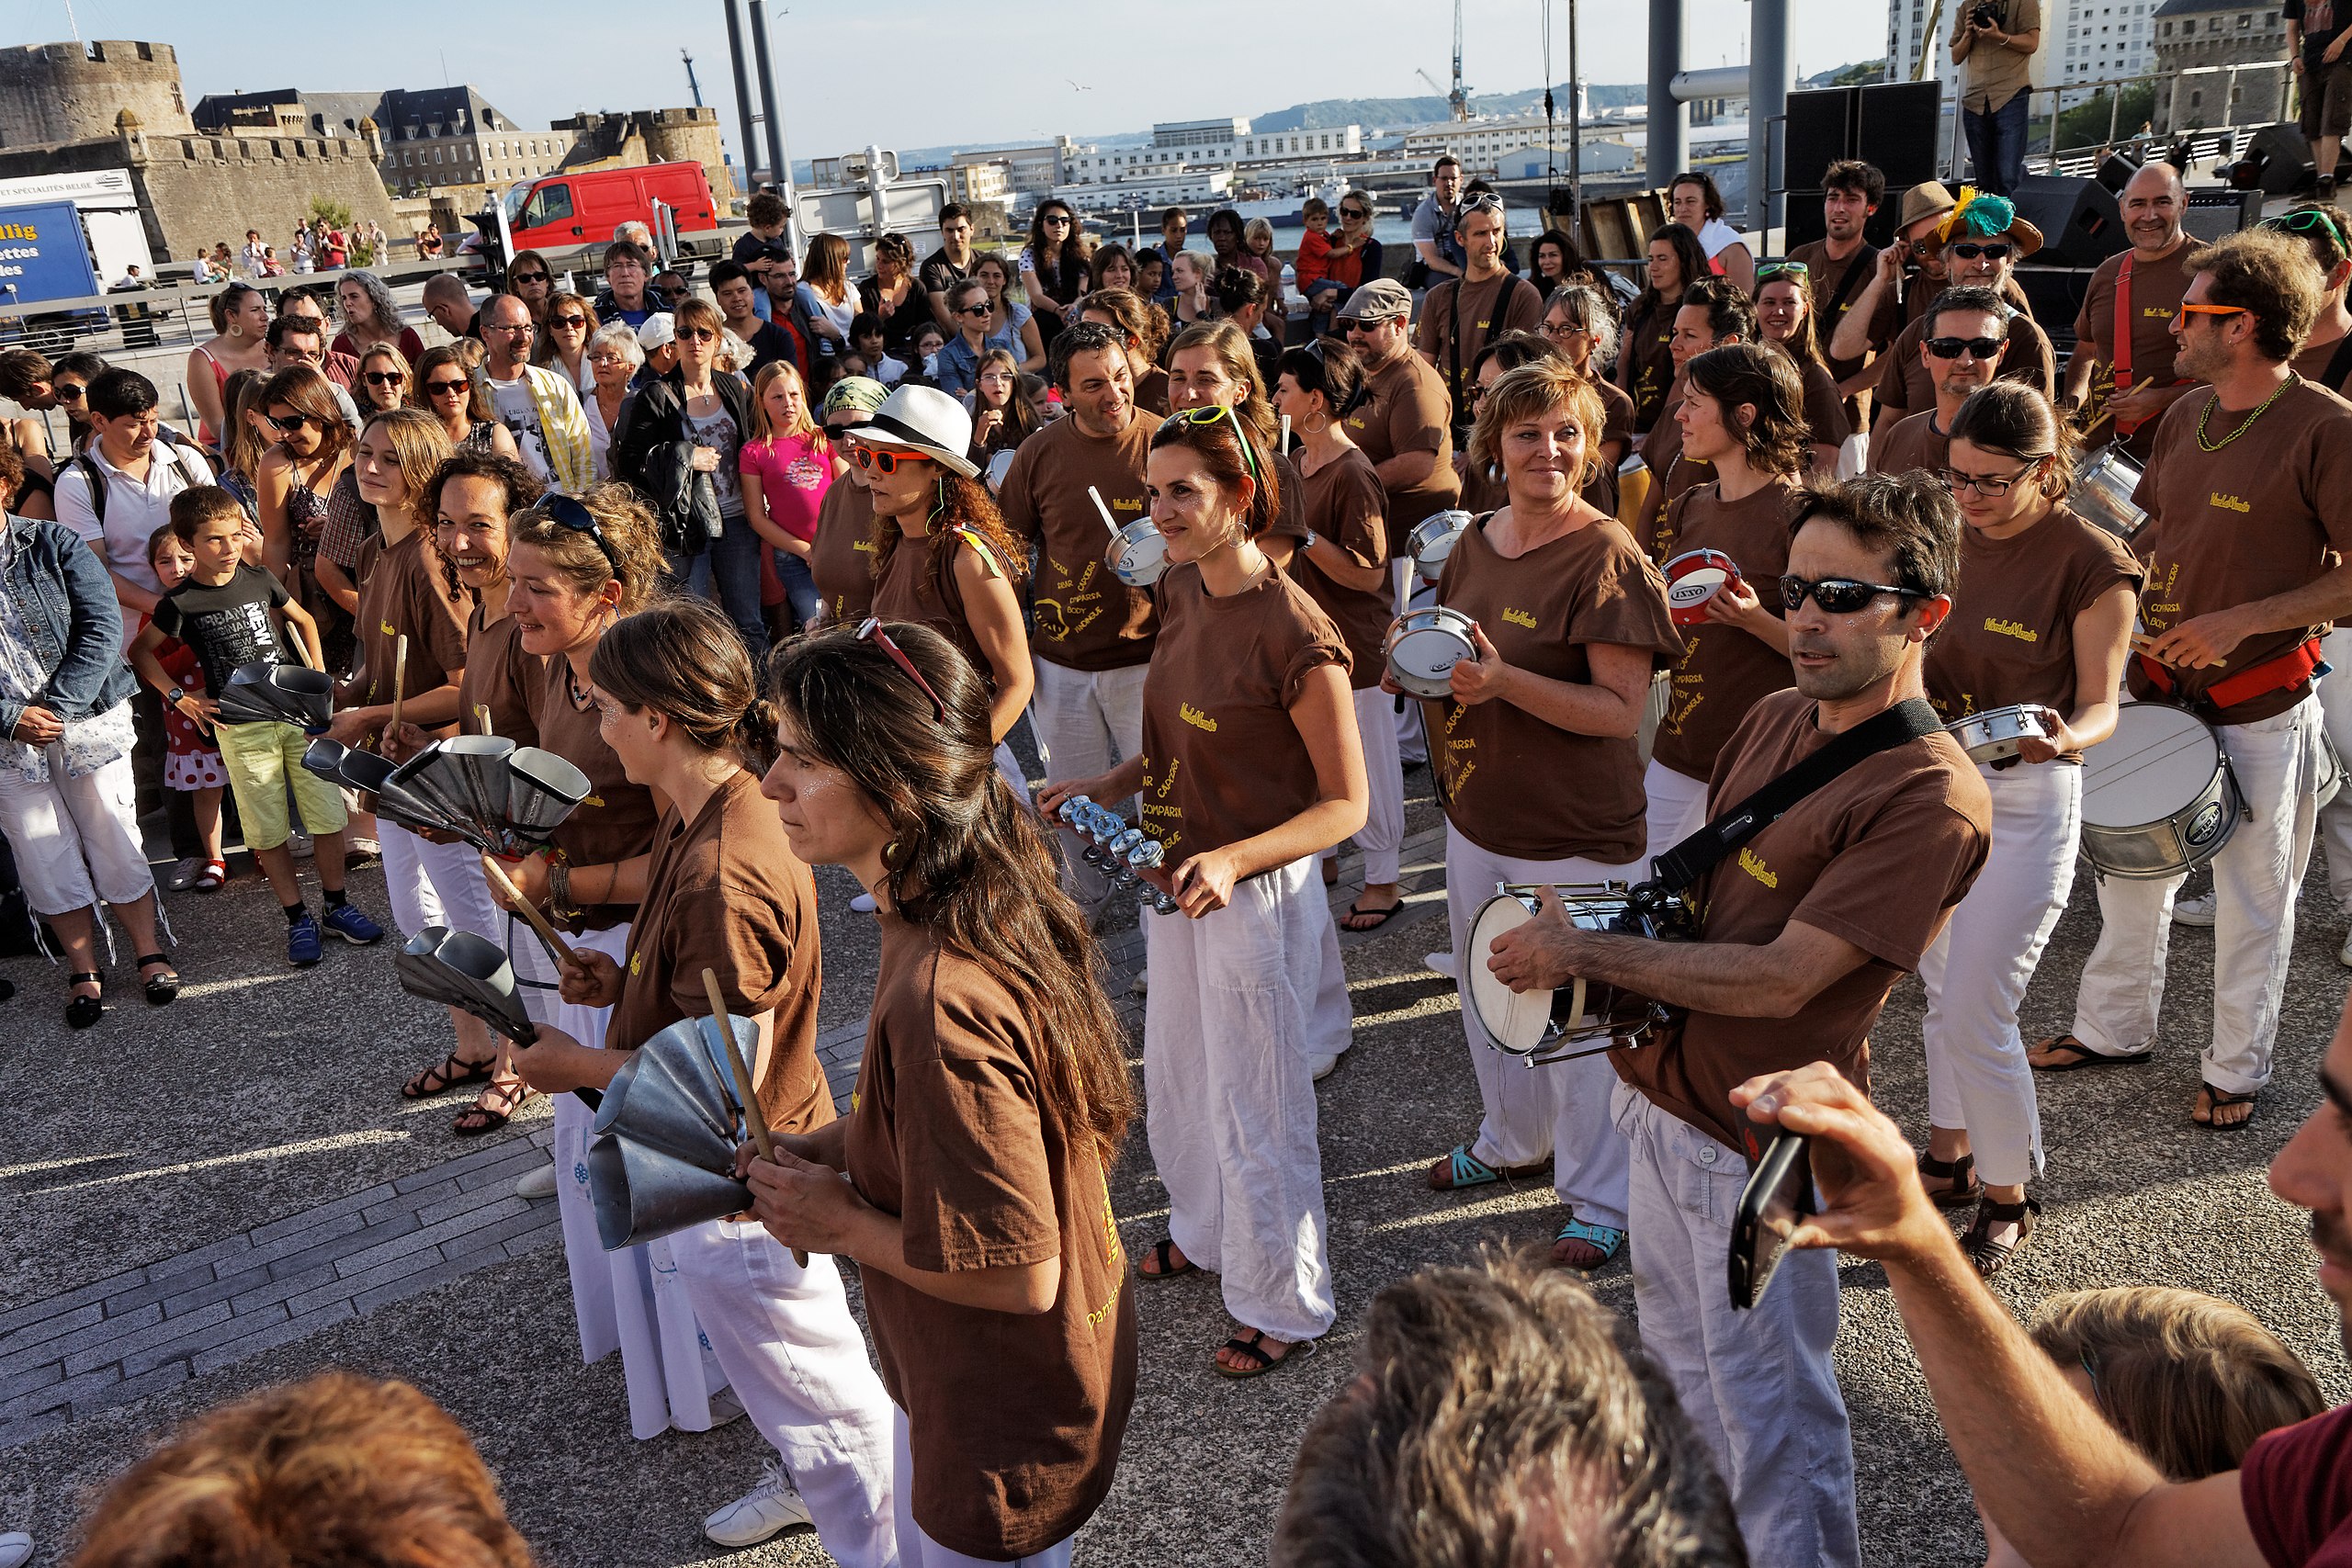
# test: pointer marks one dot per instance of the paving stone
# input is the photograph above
(344, 1287)
(262, 1235)
(58, 1395)
(105, 1331)
(16, 1434)
(228, 1327)
(47, 1329)
(26, 1383)
(430, 1235)
(340, 1248)
(448, 1170)
(155, 1332)
(268, 1338)
(292, 1243)
(46, 1308)
(215, 1290)
(279, 1290)
(155, 1380)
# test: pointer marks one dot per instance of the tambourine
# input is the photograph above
(1424, 645)
(1993, 736)
(1138, 554)
(1540, 1026)
(1692, 580)
(1126, 854)
(1432, 539)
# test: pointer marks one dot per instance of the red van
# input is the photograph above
(579, 208)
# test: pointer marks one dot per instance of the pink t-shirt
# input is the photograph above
(793, 475)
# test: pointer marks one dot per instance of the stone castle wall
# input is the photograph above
(71, 92)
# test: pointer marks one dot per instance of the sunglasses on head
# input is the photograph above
(1217, 413)
(1953, 347)
(1970, 250)
(385, 379)
(447, 389)
(1482, 203)
(1836, 595)
(872, 632)
(1771, 270)
(566, 512)
(2302, 221)
(882, 460)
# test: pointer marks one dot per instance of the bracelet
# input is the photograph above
(560, 904)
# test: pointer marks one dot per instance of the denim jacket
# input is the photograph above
(66, 600)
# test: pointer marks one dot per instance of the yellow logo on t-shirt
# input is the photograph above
(2017, 629)
(2229, 502)
(2156, 313)
(1753, 864)
(1195, 718)
(865, 545)
(1519, 618)
(388, 628)
(635, 964)
(1122, 503)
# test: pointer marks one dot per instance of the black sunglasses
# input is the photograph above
(386, 378)
(1969, 250)
(447, 389)
(1836, 595)
(565, 512)
(977, 310)
(527, 278)
(69, 392)
(1056, 219)
(567, 321)
(288, 424)
(1354, 212)
(1953, 347)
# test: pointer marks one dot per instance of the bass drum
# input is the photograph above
(2158, 796)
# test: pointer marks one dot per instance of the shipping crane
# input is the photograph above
(1458, 100)
(692, 85)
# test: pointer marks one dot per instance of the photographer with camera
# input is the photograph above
(1883, 824)
(1993, 42)
(2057, 1480)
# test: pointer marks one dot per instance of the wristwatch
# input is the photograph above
(1308, 542)
(172, 698)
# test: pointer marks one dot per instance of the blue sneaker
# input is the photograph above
(345, 922)
(303, 942)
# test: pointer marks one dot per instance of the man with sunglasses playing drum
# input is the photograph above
(2249, 501)
(1803, 933)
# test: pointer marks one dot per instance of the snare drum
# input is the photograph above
(1993, 736)
(1538, 1026)
(1424, 645)
(2103, 492)
(1432, 539)
(2158, 796)
(1138, 555)
(1692, 578)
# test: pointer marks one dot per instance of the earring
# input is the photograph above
(893, 854)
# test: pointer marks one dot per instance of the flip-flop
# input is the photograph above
(1300, 1349)
(1163, 1253)
(2084, 1058)
(2216, 1100)
(1379, 917)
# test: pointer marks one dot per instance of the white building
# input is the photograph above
(2098, 40)
(1179, 145)
(1028, 171)
(1482, 143)
(1184, 186)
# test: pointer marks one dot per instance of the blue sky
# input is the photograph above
(954, 74)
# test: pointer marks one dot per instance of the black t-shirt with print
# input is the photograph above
(2322, 20)
(228, 624)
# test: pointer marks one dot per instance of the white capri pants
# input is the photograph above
(2335, 817)
(1381, 838)
(795, 1357)
(1978, 970)
(1678, 808)
(1242, 1002)
(1560, 1110)
(917, 1550)
(1404, 718)
(631, 1301)
(2256, 878)
(1086, 723)
(436, 884)
(76, 839)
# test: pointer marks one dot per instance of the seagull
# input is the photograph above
(1077, 86)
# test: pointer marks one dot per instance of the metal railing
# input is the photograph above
(2223, 142)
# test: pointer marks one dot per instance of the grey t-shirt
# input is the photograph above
(519, 410)
(717, 429)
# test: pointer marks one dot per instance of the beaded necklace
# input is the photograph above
(2244, 424)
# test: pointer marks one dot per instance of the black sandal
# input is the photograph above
(1965, 1187)
(477, 1119)
(1989, 1256)
(1253, 1347)
(1379, 917)
(2080, 1056)
(162, 989)
(2216, 1100)
(452, 1072)
(1163, 1252)
(82, 1011)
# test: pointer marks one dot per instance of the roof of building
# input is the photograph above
(462, 109)
(2199, 7)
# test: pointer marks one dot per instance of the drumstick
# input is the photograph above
(301, 648)
(558, 949)
(2142, 643)
(399, 675)
(1281, 441)
(1108, 521)
(751, 1115)
(481, 716)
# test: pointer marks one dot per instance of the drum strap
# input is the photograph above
(2292, 668)
(1682, 866)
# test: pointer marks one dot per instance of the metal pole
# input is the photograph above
(779, 166)
(750, 147)
(1575, 134)
(1669, 117)
(1767, 102)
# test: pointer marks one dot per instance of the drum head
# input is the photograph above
(2158, 761)
(1687, 595)
(1430, 653)
(1517, 1021)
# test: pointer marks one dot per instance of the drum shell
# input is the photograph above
(1436, 618)
(1688, 612)
(2102, 493)
(1993, 735)
(1432, 539)
(1610, 1012)
(1138, 554)
(2169, 843)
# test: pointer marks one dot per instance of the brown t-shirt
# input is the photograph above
(1993, 74)
(2264, 516)
(1672, 477)
(2312, 363)
(1912, 443)
(1725, 671)
(1343, 501)
(1823, 275)
(1507, 303)
(1086, 618)
(1151, 391)
(1223, 760)
(2157, 291)
(1290, 502)
(912, 589)
(1646, 363)
(617, 820)
(841, 560)
(1906, 385)
(1877, 857)
(501, 677)
(1512, 783)
(2011, 635)
(726, 893)
(403, 593)
(1015, 1421)
(1409, 412)
(1824, 406)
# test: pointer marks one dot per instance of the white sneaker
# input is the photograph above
(761, 1514)
(16, 1549)
(1323, 1067)
(297, 843)
(864, 904)
(2343, 954)
(1141, 984)
(2193, 911)
(725, 1405)
(1444, 963)
(179, 879)
(536, 1182)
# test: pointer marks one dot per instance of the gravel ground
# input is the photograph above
(166, 1129)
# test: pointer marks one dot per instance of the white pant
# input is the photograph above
(1978, 970)
(1412, 742)
(1759, 1386)
(1242, 1001)
(631, 1301)
(76, 839)
(793, 1354)
(2336, 818)
(1086, 723)
(1560, 1110)
(1678, 808)
(2255, 879)
(1382, 837)
(437, 884)
(917, 1550)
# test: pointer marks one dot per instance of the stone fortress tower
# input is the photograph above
(68, 92)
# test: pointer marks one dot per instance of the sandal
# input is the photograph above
(1600, 1238)
(2215, 1102)
(2083, 1056)
(164, 989)
(1965, 1187)
(452, 1072)
(1989, 1256)
(1379, 917)
(1454, 1171)
(212, 877)
(1300, 1349)
(478, 1118)
(1163, 1253)
(82, 1011)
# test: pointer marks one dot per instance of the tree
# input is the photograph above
(2085, 125)
(334, 214)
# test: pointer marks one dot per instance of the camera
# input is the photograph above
(1985, 14)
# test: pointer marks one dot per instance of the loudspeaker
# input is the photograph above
(1820, 130)
(2081, 224)
(2054, 296)
(2214, 211)
(2115, 172)
(2278, 162)
(1895, 126)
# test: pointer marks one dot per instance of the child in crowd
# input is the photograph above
(866, 337)
(923, 370)
(1151, 270)
(2191, 1380)
(191, 764)
(1313, 269)
(231, 613)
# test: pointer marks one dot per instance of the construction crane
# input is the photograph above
(692, 85)
(1458, 100)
